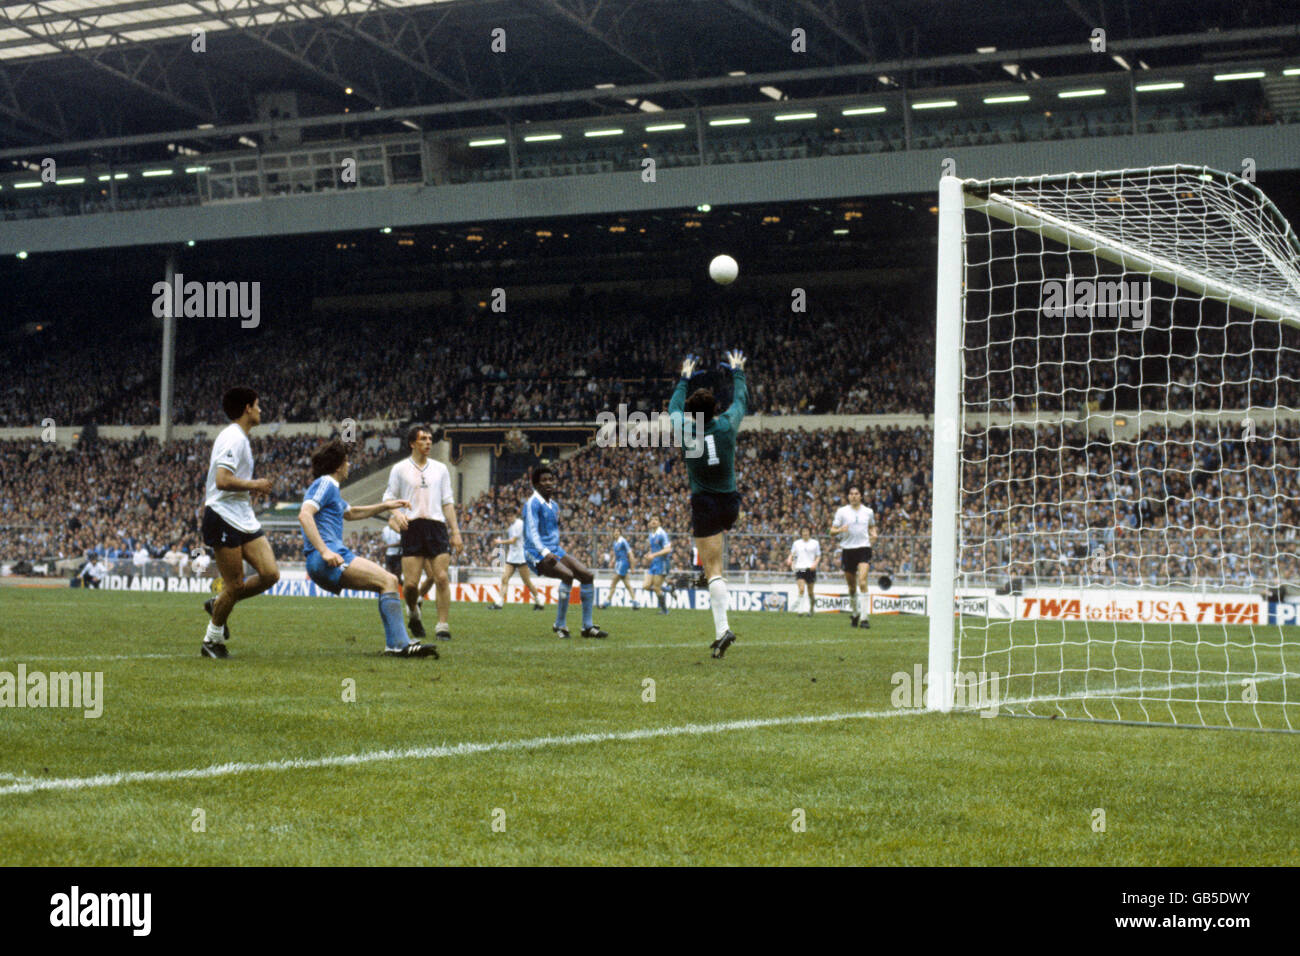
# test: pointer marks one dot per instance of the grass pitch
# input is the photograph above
(519, 748)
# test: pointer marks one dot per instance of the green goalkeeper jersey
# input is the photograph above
(711, 461)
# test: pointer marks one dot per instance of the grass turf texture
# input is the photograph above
(885, 789)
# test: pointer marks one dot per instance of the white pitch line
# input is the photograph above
(431, 753)
(34, 784)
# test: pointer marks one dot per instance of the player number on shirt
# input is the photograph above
(712, 449)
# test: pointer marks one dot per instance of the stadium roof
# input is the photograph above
(52, 26)
(77, 70)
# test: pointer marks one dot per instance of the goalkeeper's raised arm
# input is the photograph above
(677, 404)
(740, 390)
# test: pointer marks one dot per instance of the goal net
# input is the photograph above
(1117, 450)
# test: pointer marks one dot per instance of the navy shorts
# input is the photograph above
(810, 576)
(713, 513)
(852, 557)
(218, 533)
(425, 538)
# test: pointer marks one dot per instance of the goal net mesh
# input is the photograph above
(1130, 449)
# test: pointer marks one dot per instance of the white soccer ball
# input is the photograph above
(723, 270)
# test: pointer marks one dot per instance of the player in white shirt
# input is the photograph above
(857, 523)
(229, 526)
(512, 556)
(428, 527)
(805, 553)
(92, 575)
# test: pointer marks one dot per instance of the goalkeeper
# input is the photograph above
(709, 442)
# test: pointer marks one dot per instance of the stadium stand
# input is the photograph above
(1169, 506)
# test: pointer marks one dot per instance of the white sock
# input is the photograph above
(718, 604)
(864, 605)
(215, 635)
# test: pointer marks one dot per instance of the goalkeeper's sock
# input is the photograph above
(215, 635)
(588, 592)
(390, 611)
(718, 604)
(415, 611)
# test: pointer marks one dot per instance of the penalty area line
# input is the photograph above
(32, 785)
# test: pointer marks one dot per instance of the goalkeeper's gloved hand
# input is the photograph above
(736, 359)
(688, 365)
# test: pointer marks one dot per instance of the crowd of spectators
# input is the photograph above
(858, 351)
(1203, 503)
(789, 479)
(1207, 504)
(110, 498)
(853, 351)
(68, 377)
(1044, 364)
(1198, 504)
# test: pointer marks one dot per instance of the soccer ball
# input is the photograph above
(723, 270)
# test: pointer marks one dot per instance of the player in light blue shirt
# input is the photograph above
(545, 556)
(332, 565)
(659, 559)
(622, 567)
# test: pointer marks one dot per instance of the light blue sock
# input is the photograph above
(562, 603)
(390, 609)
(588, 592)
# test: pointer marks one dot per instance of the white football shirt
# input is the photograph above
(232, 451)
(806, 553)
(427, 488)
(392, 540)
(859, 521)
(515, 552)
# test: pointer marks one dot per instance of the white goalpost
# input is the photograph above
(1116, 489)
